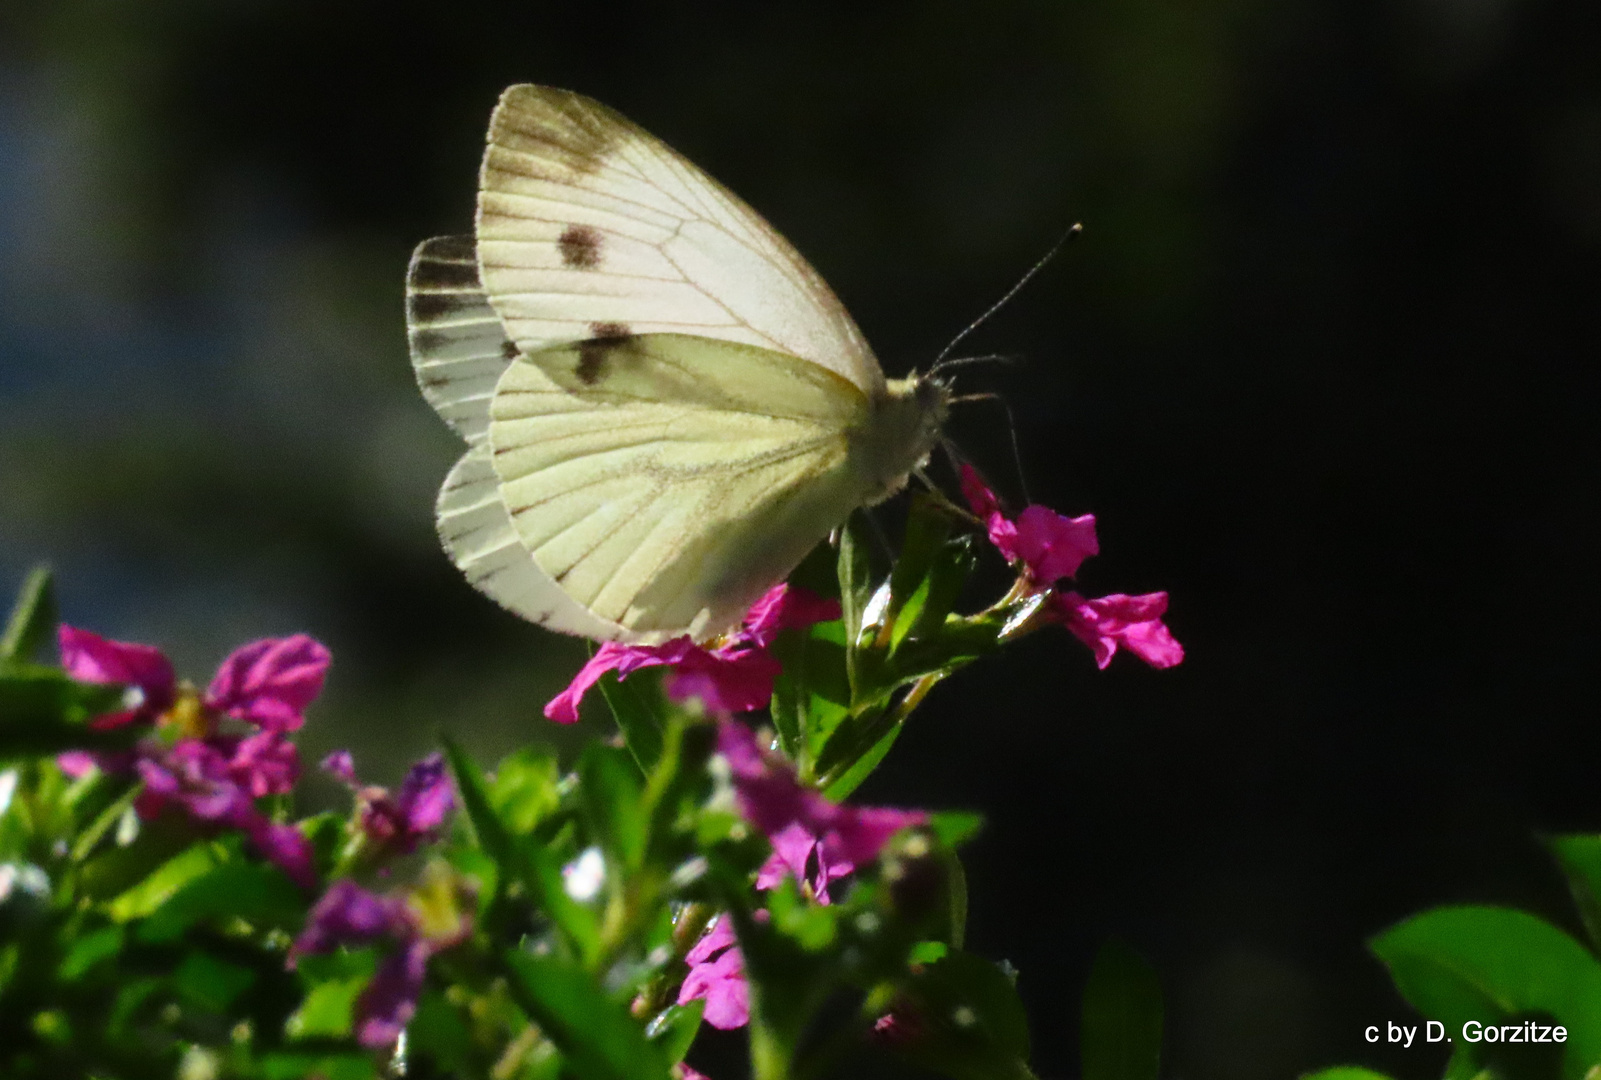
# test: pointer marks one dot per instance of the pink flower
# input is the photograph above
(400, 822)
(1049, 545)
(212, 775)
(195, 776)
(389, 1002)
(1052, 547)
(347, 914)
(772, 799)
(88, 657)
(814, 841)
(717, 974)
(270, 682)
(1132, 622)
(735, 676)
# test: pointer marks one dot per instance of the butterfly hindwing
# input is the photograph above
(478, 535)
(665, 481)
(459, 349)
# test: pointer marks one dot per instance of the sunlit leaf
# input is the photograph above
(32, 620)
(598, 1039)
(1580, 858)
(1490, 964)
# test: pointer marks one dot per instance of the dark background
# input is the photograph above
(1321, 364)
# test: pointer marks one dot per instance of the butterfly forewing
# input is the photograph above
(586, 221)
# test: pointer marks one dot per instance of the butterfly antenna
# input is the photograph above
(963, 361)
(1013, 291)
(1011, 430)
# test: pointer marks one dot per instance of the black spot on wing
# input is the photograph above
(593, 354)
(426, 307)
(451, 249)
(509, 350)
(439, 274)
(580, 247)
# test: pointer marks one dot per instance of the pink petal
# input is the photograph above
(88, 657)
(340, 765)
(861, 832)
(426, 798)
(688, 1073)
(612, 656)
(75, 763)
(721, 983)
(346, 914)
(979, 497)
(1131, 622)
(770, 797)
(714, 941)
(270, 682)
(389, 1002)
(265, 763)
(286, 847)
(1053, 545)
(786, 607)
(737, 682)
(792, 850)
(1002, 531)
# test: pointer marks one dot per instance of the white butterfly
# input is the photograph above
(665, 407)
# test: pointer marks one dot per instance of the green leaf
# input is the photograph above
(328, 1011)
(1580, 859)
(32, 620)
(812, 694)
(927, 529)
(209, 982)
(103, 823)
(855, 586)
(1490, 964)
(491, 831)
(597, 1037)
(1345, 1072)
(639, 707)
(257, 893)
(163, 883)
(43, 712)
(315, 969)
(287, 1065)
(89, 950)
(525, 791)
(956, 916)
(674, 1029)
(925, 610)
(955, 827)
(848, 780)
(610, 791)
(522, 858)
(438, 1031)
(1121, 1030)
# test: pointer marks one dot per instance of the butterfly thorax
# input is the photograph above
(902, 428)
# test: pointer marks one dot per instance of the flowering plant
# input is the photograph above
(164, 911)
